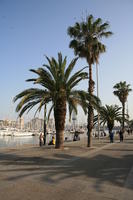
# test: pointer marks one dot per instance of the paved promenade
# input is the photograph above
(104, 172)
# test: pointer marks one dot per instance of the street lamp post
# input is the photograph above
(74, 118)
(127, 114)
(45, 110)
(98, 96)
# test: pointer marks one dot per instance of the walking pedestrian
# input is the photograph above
(121, 135)
(111, 134)
(41, 139)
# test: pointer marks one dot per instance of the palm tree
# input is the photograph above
(57, 87)
(122, 90)
(108, 115)
(87, 44)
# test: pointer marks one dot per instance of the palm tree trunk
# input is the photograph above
(45, 125)
(59, 139)
(60, 115)
(90, 108)
(123, 117)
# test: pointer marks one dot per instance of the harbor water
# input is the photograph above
(12, 141)
(8, 141)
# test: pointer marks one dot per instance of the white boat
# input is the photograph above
(22, 134)
(5, 132)
(15, 132)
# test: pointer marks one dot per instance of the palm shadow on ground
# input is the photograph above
(102, 168)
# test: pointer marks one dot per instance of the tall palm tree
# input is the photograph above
(108, 115)
(57, 87)
(122, 90)
(87, 44)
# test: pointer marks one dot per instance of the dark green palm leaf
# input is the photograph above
(70, 68)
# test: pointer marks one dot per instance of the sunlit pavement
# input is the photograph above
(103, 172)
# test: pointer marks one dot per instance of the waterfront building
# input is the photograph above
(35, 124)
(8, 123)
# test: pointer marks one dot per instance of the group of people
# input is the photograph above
(76, 136)
(42, 140)
(111, 135)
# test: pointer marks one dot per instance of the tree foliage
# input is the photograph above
(108, 115)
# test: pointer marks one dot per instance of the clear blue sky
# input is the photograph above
(30, 29)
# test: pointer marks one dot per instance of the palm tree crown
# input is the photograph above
(108, 115)
(122, 90)
(57, 87)
(86, 38)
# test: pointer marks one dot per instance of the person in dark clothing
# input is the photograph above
(76, 137)
(121, 135)
(40, 139)
(44, 139)
(111, 134)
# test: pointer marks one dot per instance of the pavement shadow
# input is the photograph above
(119, 149)
(102, 168)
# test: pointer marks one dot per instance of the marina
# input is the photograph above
(18, 138)
(15, 137)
